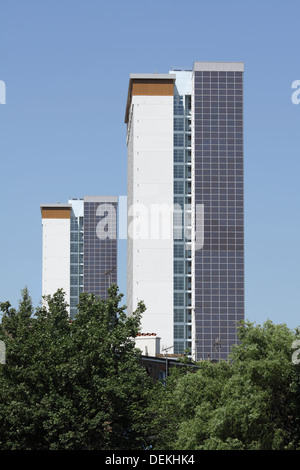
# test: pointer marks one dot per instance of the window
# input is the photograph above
(74, 247)
(178, 105)
(178, 171)
(178, 332)
(188, 300)
(178, 187)
(188, 315)
(188, 140)
(179, 315)
(188, 332)
(74, 269)
(74, 258)
(178, 251)
(178, 347)
(178, 201)
(73, 312)
(188, 172)
(178, 155)
(188, 283)
(188, 267)
(178, 267)
(178, 140)
(74, 223)
(178, 283)
(178, 232)
(178, 299)
(188, 219)
(161, 375)
(74, 280)
(74, 236)
(188, 104)
(178, 124)
(74, 291)
(74, 302)
(178, 219)
(188, 187)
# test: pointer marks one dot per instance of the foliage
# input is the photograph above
(250, 402)
(70, 384)
(79, 385)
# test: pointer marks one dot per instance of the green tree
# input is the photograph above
(250, 402)
(71, 384)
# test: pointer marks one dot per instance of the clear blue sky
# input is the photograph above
(66, 65)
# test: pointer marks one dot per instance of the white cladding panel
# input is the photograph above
(56, 256)
(150, 256)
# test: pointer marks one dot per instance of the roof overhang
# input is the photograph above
(218, 67)
(56, 211)
(146, 78)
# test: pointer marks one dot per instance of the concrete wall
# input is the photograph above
(56, 256)
(150, 182)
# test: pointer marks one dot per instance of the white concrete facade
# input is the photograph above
(56, 256)
(150, 188)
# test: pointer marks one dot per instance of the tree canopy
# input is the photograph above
(70, 384)
(251, 402)
(79, 385)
